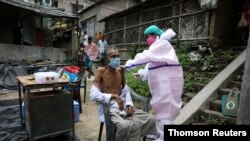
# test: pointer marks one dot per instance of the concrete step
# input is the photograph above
(215, 117)
(190, 95)
(183, 104)
(211, 74)
(223, 65)
(223, 91)
(199, 86)
(203, 79)
(238, 77)
(215, 105)
(239, 48)
(233, 84)
(198, 123)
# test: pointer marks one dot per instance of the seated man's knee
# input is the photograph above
(152, 118)
(123, 126)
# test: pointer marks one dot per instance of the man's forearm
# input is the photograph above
(97, 95)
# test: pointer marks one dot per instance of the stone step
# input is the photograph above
(215, 105)
(215, 117)
(238, 48)
(223, 65)
(233, 84)
(223, 91)
(198, 123)
(190, 95)
(203, 79)
(183, 104)
(199, 86)
(211, 74)
(238, 77)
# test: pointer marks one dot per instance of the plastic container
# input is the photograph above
(46, 77)
(72, 69)
(70, 76)
(76, 112)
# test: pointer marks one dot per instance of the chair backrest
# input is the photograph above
(110, 126)
(77, 84)
(138, 97)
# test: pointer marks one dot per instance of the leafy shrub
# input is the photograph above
(140, 87)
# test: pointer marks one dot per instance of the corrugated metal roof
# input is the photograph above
(50, 11)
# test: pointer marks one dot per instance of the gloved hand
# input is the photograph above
(137, 76)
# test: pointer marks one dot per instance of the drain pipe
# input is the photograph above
(244, 110)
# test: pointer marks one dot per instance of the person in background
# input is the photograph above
(84, 38)
(110, 87)
(164, 75)
(103, 45)
(92, 52)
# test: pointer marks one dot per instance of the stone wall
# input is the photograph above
(67, 4)
(30, 53)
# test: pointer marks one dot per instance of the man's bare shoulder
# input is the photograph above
(120, 69)
(100, 69)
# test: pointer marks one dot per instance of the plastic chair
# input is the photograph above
(110, 127)
(77, 85)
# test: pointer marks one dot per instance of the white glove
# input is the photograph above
(129, 63)
(137, 76)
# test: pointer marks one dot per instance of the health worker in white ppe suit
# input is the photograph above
(164, 75)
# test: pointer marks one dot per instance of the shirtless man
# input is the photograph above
(110, 87)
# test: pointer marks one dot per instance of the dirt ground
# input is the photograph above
(88, 127)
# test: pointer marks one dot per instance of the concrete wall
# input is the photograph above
(30, 53)
(6, 32)
(67, 4)
(104, 9)
(221, 20)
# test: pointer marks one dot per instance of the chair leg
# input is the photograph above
(100, 131)
(80, 102)
(144, 138)
(85, 91)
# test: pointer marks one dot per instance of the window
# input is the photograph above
(47, 2)
(74, 8)
(55, 4)
(89, 26)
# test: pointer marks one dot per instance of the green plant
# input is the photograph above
(212, 120)
(140, 87)
(210, 63)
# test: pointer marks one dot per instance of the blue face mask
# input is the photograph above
(114, 62)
